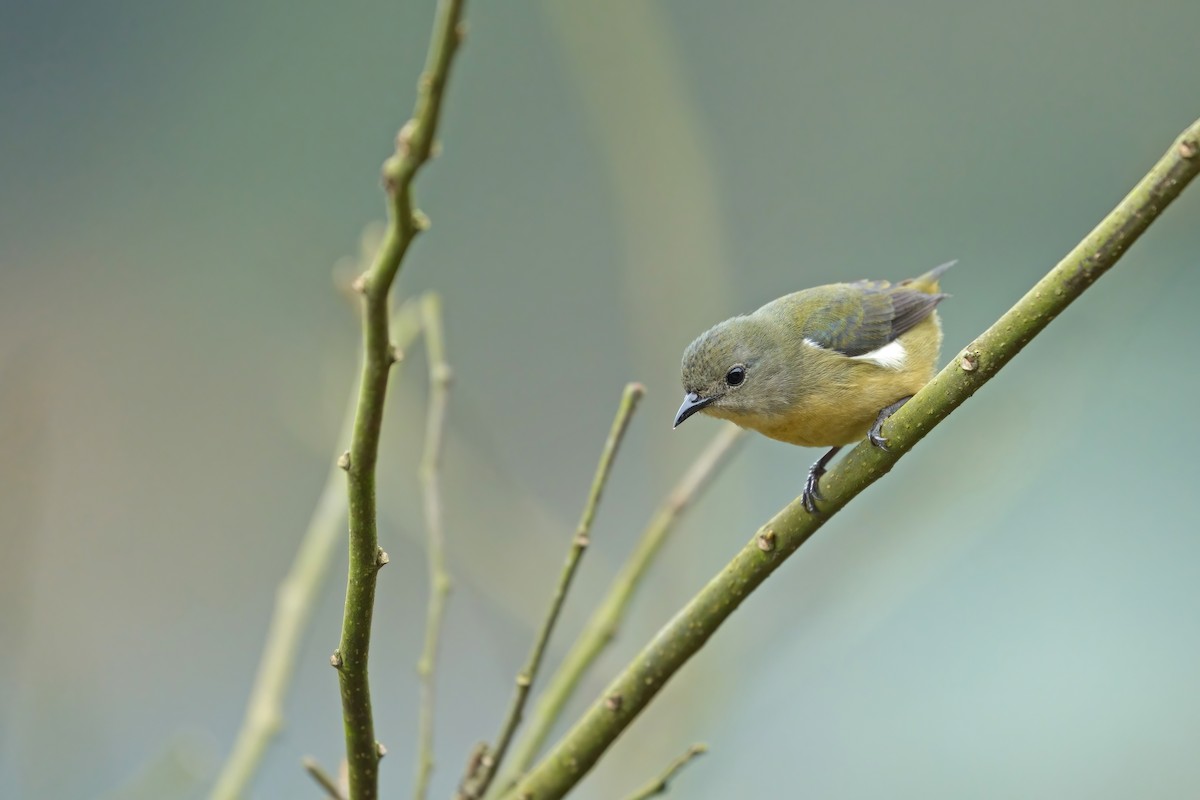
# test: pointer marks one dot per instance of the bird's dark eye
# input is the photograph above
(736, 375)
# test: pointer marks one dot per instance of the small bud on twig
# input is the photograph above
(969, 361)
(404, 137)
(343, 461)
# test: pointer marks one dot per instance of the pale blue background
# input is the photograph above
(1011, 613)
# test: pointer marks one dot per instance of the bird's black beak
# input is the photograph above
(692, 403)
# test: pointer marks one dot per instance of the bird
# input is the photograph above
(822, 367)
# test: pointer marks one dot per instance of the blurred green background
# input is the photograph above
(1011, 613)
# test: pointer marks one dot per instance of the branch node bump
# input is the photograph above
(1189, 148)
(582, 540)
(381, 558)
(421, 221)
(359, 284)
(969, 361)
(766, 541)
(335, 660)
(613, 702)
(343, 461)
(523, 680)
(380, 750)
(405, 136)
(395, 354)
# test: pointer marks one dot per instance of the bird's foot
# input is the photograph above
(812, 488)
(875, 435)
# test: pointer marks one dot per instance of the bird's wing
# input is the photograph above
(857, 318)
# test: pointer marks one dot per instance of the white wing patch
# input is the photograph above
(811, 343)
(891, 355)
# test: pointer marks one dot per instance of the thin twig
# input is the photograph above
(602, 627)
(474, 786)
(323, 779)
(682, 637)
(660, 784)
(294, 603)
(439, 579)
(414, 146)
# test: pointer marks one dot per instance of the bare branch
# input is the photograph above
(660, 784)
(439, 579)
(602, 627)
(414, 147)
(474, 786)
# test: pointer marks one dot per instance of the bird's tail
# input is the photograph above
(928, 282)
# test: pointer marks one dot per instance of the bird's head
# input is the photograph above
(737, 370)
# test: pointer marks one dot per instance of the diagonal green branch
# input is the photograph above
(634, 688)
(602, 626)
(322, 778)
(660, 784)
(414, 146)
(476, 782)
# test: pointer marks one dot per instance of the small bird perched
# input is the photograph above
(822, 367)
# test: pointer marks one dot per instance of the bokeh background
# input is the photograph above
(1011, 613)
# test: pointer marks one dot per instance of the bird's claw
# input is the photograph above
(812, 490)
(875, 435)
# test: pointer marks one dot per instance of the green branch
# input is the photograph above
(439, 580)
(414, 145)
(322, 778)
(602, 627)
(663, 782)
(476, 782)
(686, 633)
(294, 603)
